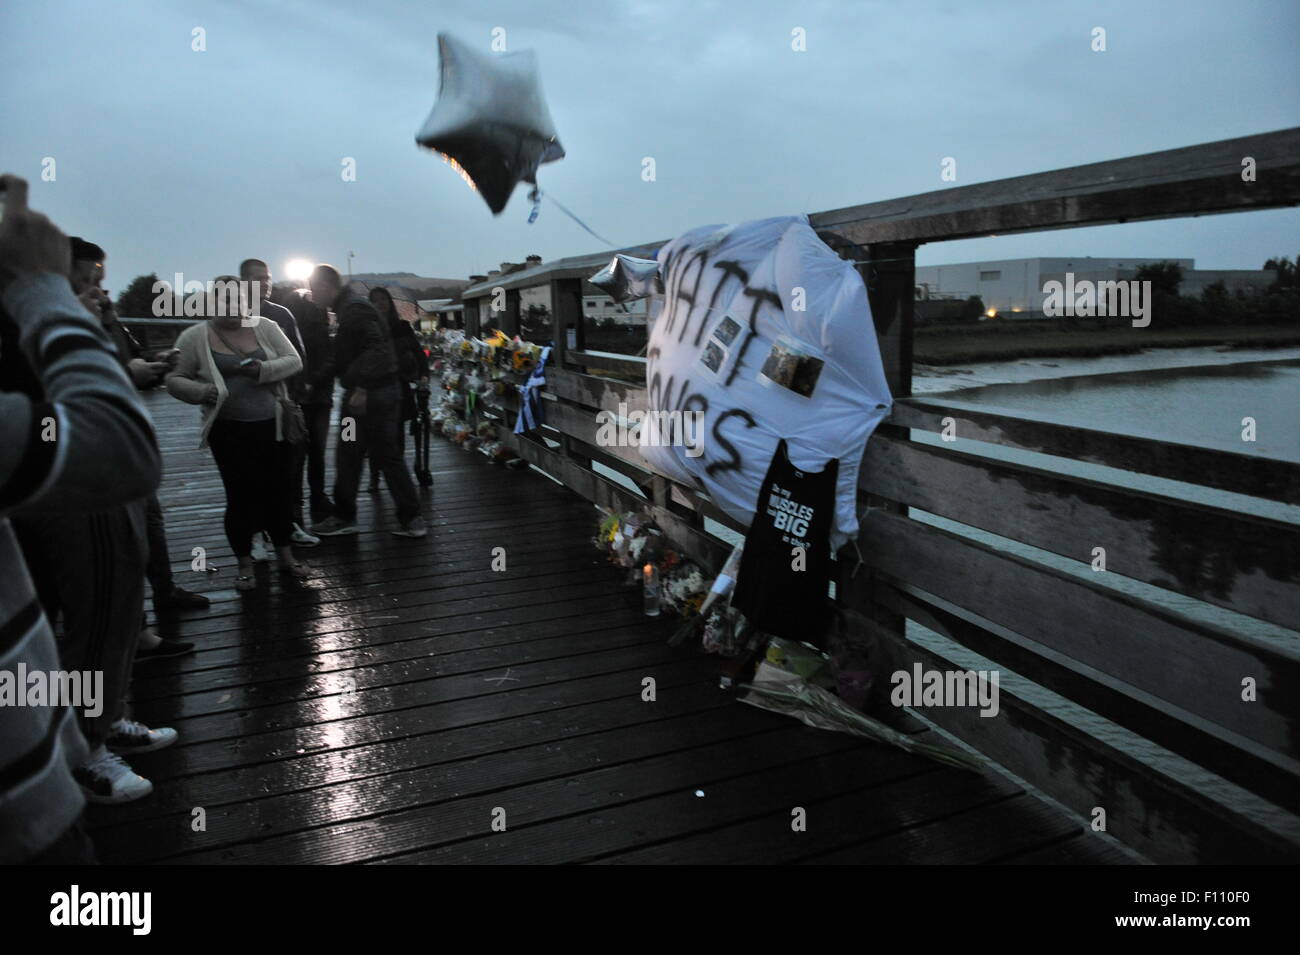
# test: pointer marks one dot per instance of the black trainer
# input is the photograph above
(181, 599)
(164, 650)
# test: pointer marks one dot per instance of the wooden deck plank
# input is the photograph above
(793, 780)
(380, 710)
(983, 834)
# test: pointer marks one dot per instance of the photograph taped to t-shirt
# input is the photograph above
(790, 366)
(713, 357)
(727, 330)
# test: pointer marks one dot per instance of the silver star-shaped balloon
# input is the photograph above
(490, 121)
(627, 278)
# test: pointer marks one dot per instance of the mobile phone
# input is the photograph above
(246, 361)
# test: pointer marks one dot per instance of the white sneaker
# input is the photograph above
(129, 736)
(262, 549)
(302, 538)
(106, 779)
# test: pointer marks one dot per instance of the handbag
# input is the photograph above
(293, 423)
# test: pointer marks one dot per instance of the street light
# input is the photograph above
(298, 270)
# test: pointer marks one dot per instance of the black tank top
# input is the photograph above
(795, 509)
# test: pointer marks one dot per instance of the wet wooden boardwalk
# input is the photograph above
(387, 708)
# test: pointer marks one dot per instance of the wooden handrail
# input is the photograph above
(1191, 180)
(1174, 680)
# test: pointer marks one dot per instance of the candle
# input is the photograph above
(650, 585)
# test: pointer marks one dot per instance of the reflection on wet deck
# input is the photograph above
(394, 705)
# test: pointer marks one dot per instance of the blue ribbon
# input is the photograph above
(536, 196)
(530, 399)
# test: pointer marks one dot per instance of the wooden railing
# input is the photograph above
(1168, 680)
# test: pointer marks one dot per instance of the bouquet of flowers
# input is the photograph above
(684, 589)
(632, 540)
(726, 632)
(503, 455)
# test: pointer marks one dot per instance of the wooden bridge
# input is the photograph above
(384, 710)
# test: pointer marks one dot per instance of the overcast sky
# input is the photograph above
(184, 161)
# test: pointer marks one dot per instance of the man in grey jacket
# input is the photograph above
(87, 444)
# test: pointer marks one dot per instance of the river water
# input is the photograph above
(1195, 396)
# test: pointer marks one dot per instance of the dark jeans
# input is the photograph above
(312, 459)
(402, 427)
(89, 570)
(376, 434)
(257, 471)
(72, 848)
(159, 568)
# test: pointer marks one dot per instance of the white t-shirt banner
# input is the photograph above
(767, 334)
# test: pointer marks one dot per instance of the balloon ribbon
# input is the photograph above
(536, 196)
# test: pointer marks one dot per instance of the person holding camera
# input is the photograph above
(88, 568)
(235, 366)
(81, 444)
(88, 272)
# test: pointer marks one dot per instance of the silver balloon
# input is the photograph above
(490, 121)
(627, 278)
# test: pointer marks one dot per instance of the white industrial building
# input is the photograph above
(1014, 287)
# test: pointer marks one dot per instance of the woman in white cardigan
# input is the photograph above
(235, 367)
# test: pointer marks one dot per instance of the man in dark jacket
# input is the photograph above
(317, 393)
(318, 396)
(366, 366)
(255, 270)
(88, 273)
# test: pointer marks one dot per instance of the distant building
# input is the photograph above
(596, 305)
(439, 313)
(1014, 287)
(599, 307)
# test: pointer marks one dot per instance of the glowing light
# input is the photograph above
(460, 170)
(992, 313)
(298, 269)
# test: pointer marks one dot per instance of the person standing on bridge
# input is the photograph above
(88, 272)
(317, 397)
(235, 365)
(367, 368)
(78, 457)
(412, 366)
(255, 270)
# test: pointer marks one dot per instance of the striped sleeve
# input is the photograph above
(39, 744)
(89, 444)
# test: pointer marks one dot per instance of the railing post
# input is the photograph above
(566, 311)
(472, 327)
(510, 318)
(890, 274)
(889, 271)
